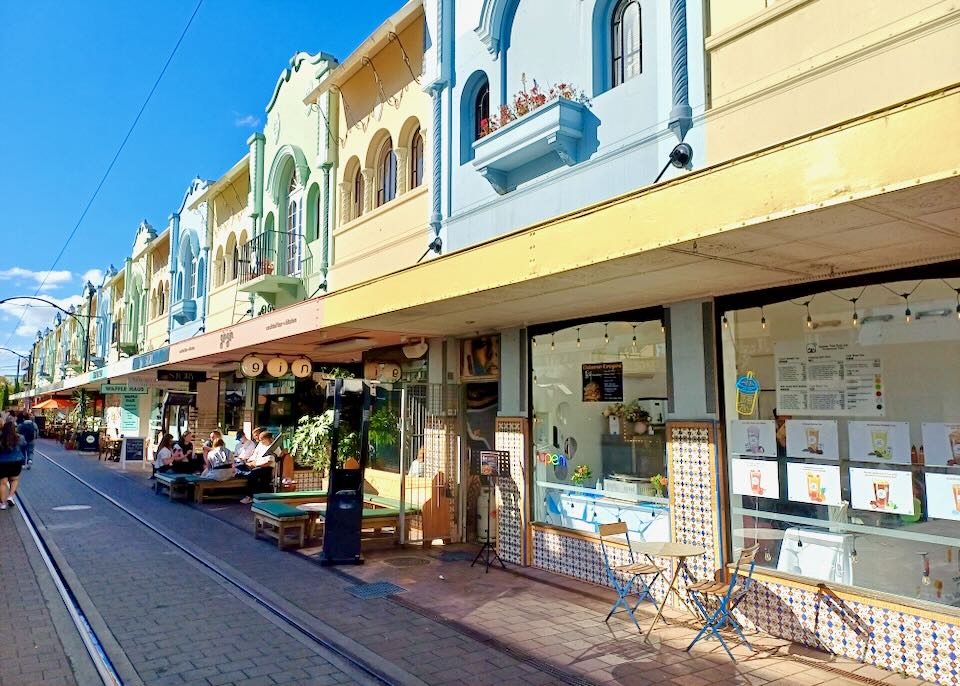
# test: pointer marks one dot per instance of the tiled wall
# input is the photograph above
(511, 436)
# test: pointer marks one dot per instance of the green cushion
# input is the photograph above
(382, 500)
(278, 510)
(289, 495)
(374, 512)
(171, 478)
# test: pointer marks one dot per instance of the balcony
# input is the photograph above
(536, 143)
(272, 266)
(184, 311)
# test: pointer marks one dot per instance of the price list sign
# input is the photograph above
(603, 382)
(829, 379)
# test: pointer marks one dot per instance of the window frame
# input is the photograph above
(416, 159)
(386, 173)
(618, 56)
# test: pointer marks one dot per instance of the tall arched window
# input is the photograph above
(387, 174)
(357, 195)
(626, 41)
(235, 263)
(294, 227)
(481, 111)
(416, 159)
(201, 277)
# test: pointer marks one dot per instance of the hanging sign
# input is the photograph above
(181, 375)
(302, 367)
(277, 367)
(129, 414)
(602, 382)
(251, 366)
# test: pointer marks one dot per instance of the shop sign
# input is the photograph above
(181, 375)
(554, 459)
(381, 371)
(602, 382)
(480, 358)
(155, 357)
(122, 389)
(129, 414)
(98, 374)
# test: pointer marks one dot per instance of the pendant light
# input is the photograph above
(763, 318)
(606, 336)
(635, 332)
(726, 323)
(809, 318)
(578, 336)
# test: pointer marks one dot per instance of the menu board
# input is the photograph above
(832, 379)
(602, 382)
(753, 437)
(879, 442)
(881, 490)
(941, 444)
(758, 478)
(943, 496)
(813, 438)
(817, 484)
(132, 449)
(129, 414)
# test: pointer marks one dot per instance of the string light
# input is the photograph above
(635, 331)
(809, 318)
(856, 318)
(957, 290)
(578, 336)
(907, 314)
(726, 323)
(663, 327)
(553, 345)
(763, 318)
(534, 341)
(606, 336)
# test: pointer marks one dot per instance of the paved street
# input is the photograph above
(173, 622)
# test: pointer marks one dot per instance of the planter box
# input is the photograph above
(549, 137)
(184, 311)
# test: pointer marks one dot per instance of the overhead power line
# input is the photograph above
(116, 156)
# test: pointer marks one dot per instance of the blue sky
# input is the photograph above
(74, 76)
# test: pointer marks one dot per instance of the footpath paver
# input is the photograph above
(457, 625)
(172, 620)
(31, 650)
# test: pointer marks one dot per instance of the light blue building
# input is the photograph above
(635, 93)
(189, 266)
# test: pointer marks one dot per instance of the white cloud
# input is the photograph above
(36, 315)
(44, 280)
(94, 276)
(247, 121)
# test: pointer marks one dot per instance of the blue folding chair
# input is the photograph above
(627, 580)
(730, 596)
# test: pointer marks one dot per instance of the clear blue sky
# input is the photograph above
(74, 76)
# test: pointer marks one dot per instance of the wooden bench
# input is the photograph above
(176, 485)
(279, 520)
(211, 489)
(292, 497)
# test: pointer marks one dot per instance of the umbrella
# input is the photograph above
(54, 404)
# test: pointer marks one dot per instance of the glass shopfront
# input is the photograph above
(599, 394)
(843, 434)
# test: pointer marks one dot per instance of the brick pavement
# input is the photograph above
(31, 650)
(472, 628)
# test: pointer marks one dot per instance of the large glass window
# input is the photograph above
(627, 42)
(599, 404)
(843, 436)
(387, 175)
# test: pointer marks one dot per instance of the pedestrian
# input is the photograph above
(11, 462)
(28, 431)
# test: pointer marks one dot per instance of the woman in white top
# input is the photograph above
(219, 462)
(164, 458)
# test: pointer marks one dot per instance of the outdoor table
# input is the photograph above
(674, 551)
(312, 509)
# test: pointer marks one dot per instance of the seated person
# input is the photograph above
(208, 446)
(163, 462)
(194, 462)
(259, 468)
(219, 462)
(179, 463)
(245, 447)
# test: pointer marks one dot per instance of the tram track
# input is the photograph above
(365, 667)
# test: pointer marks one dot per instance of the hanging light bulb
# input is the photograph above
(725, 322)
(809, 318)
(763, 319)
(925, 579)
(606, 337)
(907, 314)
(663, 327)
(534, 341)
(856, 320)
(578, 336)
(553, 344)
(635, 332)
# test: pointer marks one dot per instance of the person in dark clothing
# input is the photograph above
(193, 463)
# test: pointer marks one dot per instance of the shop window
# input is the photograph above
(843, 436)
(358, 183)
(626, 42)
(474, 113)
(416, 159)
(387, 175)
(599, 411)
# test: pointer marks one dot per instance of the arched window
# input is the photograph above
(219, 269)
(201, 277)
(294, 227)
(626, 41)
(162, 298)
(416, 159)
(235, 263)
(357, 194)
(387, 174)
(179, 292)
(481, 111)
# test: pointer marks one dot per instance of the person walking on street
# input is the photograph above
(28, 431)
(11, 462)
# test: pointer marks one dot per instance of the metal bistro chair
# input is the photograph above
(633, 572)
(729, 595)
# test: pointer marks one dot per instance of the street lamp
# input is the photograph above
(20, 360)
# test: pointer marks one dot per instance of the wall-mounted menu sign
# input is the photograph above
(829, 379)
(603, 382)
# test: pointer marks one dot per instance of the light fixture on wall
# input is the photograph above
(553, 343)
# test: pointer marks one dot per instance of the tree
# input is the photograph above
(4, 396)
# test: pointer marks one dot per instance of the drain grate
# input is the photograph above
(377, 589)
(406, 561)
(456, 556)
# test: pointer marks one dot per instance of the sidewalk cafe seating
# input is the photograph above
(729, 596)
(627, 579)
(178, 486)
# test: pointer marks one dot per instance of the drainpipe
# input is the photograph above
(681, 115)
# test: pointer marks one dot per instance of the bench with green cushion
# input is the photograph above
(177, 485)
(305, 496)
(279, 510)
(381, 501)
(278, 520)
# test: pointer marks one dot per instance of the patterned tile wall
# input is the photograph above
(511, 436)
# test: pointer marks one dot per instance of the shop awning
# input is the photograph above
(55, 404)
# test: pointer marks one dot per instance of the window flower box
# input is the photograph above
(544, 138)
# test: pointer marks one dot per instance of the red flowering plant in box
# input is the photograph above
(529, 99)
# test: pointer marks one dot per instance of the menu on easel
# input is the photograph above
(839, 378)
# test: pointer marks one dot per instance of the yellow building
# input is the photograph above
(157, 271)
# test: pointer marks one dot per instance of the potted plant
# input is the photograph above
(581, 474)
(659, 483)
(384, 426)
(636, 417)
(310, 444)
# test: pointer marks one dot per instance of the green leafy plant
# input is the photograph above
(581, 474)
(384, 426)
(310, 444)
(659, 483)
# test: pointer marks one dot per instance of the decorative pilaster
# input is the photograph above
(346, 201)
(256, 143)
(369, 178)
(403, 176)
(325, 252)
(436, 147)
(681, 115)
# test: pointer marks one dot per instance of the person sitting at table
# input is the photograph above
(259, 468)
(219, 462)
(245, 447)
(208, 446)
(163, 462)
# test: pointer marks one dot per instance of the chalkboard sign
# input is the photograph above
(133, 450)
(603, 382)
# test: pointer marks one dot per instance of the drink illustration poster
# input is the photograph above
(813, 438)
(881, 490)
(754, 437)
(943, 496)
(880, 442)
(941, 444)
(758, 478)
(817, 484)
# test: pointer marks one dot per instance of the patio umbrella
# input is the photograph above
(54, 404)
